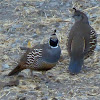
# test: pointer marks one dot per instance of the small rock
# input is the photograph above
(22, 98)
(1, 85)
(5, 57)
(12, 83)
(22, 74)
(54, 99)
(34, 35)
(1, 29)
(16, 26)
(5, 66)
(37, 87)
(31, 93)
(31, 97)
(44, 98)
(23, 83)
(13, 45)
(97, 48)
(58, 81)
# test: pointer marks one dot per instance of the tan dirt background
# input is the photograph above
(34, 20)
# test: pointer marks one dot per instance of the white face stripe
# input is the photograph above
(54, 47)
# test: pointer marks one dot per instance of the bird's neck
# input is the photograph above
(81, 23)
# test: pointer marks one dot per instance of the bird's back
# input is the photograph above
(92, 43)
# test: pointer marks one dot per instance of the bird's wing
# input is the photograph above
(90, 43)
(86, 45)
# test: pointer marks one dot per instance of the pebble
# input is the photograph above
(1, 29)
(16, 26)
(14, 45)
(44, 98)
(97, 48)
(5, 66)
(54, 99)
(12, 83)
(5, 57)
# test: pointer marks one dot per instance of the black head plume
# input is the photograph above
(74, 8)
(79, 16)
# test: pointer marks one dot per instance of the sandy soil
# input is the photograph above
(22, 21)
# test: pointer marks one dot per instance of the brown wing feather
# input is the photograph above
(92, 43)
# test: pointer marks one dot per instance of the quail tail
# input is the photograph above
(75, 65)
(15, 71)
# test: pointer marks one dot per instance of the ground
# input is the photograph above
(23, 21)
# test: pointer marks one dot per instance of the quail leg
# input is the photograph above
(31, 73)
(34, 78)
(45, 78)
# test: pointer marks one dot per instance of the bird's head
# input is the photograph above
(53, 40)
(79, 16)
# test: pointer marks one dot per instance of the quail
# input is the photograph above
(82, 41)
(41, 57)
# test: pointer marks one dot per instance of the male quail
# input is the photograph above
(41, 57)
(81, 42)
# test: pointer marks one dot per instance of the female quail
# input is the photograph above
(42, 57)
(81, 42)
